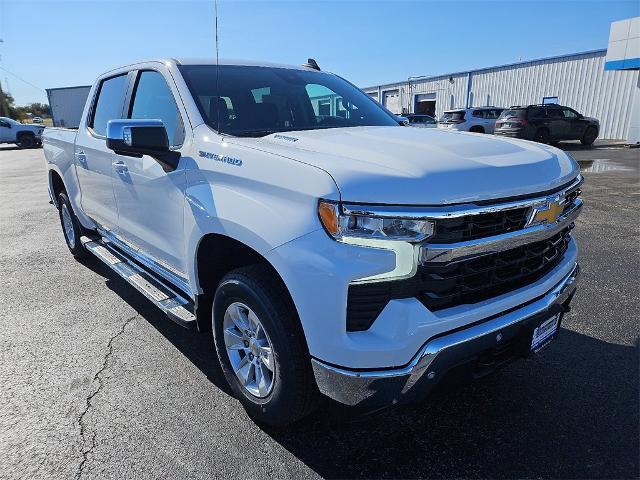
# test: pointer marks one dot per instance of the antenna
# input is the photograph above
(215, 3)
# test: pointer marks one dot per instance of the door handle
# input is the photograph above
(82, 158)
(120, 167)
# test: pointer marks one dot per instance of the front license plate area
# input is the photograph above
(544, 333)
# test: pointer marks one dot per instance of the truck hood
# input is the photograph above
(404, 165)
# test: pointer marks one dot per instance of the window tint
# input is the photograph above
(478, 113)
(569, 114)
(267, 100)
(153, 100)
(536, 112)
(109, 104)
(554, 113)
(4, 123)
(493, 113)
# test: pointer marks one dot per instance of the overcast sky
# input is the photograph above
(56, 43)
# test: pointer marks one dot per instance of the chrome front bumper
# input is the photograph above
(441, 354)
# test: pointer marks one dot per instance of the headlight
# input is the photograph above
(342, 226)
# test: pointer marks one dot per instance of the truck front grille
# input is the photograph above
(472, 227)
(440, 286)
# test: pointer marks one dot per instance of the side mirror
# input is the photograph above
(138, 137)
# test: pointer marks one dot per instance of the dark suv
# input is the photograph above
(547, 123)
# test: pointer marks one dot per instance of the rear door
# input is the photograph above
(93, 158)
(559, 125)
(151, 201)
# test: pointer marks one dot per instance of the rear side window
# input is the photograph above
(153, 100)
(109, 103)
(478, 113)
(536, 112)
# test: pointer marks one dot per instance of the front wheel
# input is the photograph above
(590, 135)
(261, 347)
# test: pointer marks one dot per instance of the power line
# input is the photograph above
(22, 79)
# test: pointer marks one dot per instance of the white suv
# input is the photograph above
(478, 120)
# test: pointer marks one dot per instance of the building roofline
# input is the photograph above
(484, 69)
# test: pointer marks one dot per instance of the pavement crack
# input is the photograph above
(89, 445)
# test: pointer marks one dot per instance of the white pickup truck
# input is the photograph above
(326, 247)
(25, 136)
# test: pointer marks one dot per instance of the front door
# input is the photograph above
(151, 201)
(94, 159)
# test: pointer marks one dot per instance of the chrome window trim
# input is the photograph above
(455, 211)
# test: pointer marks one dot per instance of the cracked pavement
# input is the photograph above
(96, 383)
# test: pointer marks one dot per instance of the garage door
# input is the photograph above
(392, 101)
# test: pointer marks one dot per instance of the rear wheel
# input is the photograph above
(70, 226)
(590, 135)
(26, 141)
(261, 347)
(542, 136)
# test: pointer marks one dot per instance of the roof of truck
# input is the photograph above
(235, 61)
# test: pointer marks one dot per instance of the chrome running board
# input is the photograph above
(174, 305)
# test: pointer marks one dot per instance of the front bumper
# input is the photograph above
(499, 337)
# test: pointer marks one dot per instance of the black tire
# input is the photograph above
(542, 136)
(72, 238)
(294, 393)
(476, 129)
(590, 135)
(26, 141)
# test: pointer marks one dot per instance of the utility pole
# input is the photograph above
(4, 105)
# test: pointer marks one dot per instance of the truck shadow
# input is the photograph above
(564, 414)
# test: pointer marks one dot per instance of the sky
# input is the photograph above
(58, 43)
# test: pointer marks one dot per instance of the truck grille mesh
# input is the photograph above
(440, 286)
(471, 227)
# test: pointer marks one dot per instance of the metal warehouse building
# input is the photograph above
(579, 81)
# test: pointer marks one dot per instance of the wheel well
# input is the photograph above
(25, 134)
(217, 255)
(477, 129)
(57, 185)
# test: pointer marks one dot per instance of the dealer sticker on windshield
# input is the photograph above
(544, 333)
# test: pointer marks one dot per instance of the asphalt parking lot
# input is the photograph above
(96, 383)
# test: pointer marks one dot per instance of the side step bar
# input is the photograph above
(176, 307)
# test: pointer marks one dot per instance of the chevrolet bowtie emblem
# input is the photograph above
(546, 214)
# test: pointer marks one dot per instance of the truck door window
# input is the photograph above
(108, 105)
(153, 100)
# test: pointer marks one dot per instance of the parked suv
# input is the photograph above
(25, 136)
(479, 120)
(547, 123)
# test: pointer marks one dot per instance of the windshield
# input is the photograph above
(257, 101)
(511, 113)
(452, 116)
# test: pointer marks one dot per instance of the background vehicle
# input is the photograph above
(25, 136)
(478, 120)
(36, 120)
(547, 123)
(421, 120)
(327, 248)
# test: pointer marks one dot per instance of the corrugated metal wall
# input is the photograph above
(579, 81)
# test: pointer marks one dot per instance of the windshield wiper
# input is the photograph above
(255, 133)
